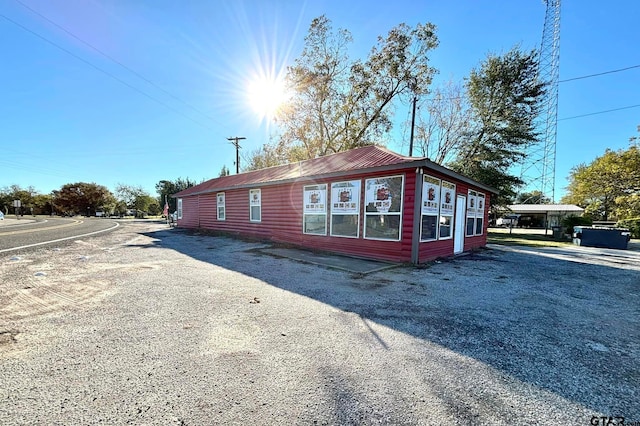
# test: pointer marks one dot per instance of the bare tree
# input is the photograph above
(442, 123)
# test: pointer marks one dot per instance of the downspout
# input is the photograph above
(415, 232)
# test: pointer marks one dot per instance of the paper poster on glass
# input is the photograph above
(480, 205)
(345, 197)
(254, 197)
(315, 199)
(221, 199)
(383, 195)
(447, 198)
(471, 204)
(430, 195)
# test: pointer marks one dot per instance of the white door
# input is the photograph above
(459, 225)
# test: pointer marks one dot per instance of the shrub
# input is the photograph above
(632, 224)
(570, 221)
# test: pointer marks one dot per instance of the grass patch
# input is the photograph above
(532, 240)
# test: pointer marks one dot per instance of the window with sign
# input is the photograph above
(383, 208)
(447, 202)
(480, 199)
(430, 208)
(179, 208)
(220, 197)
(345, 209)
(471, 213)
(255, 205)
(314, 209)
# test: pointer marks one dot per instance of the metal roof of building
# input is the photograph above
(545, 208)
(365, 159)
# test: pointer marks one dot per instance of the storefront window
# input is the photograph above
(430, 208)
(383, 207)
(480, 214)
(445, 227)
(447, 200)
(345, 209)
(315, 209)
(429, 228)
(471, 213)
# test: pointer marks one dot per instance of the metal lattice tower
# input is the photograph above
(539, 172)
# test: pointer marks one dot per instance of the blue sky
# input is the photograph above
(70, 114)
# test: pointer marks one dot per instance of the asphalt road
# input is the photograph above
(27, 233)
(148, 325)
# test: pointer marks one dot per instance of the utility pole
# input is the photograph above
(413, 124)
(235, 142)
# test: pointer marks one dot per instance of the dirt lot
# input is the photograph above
(147, 325)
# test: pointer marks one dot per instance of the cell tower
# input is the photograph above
(540, 173)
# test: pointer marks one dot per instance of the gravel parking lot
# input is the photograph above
(153, 326)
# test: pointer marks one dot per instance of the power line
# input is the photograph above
(598, 74)
(599, 112)
(137, 74)
(104, 72)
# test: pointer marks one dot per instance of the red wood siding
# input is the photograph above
(282, 216)
(207, 210)
(430, 250)
(190, 213)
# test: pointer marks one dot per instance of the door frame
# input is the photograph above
(459, 224)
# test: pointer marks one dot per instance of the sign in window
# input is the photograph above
(383, 208)
(315, 209)
(345, 209)
(255, 205)
(220, 199)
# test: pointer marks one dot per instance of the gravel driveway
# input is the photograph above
(150, 326)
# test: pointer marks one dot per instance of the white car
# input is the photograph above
(507, 221)
(1, 216)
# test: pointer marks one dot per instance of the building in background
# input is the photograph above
(540, 215)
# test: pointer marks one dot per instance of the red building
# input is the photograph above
(367, 202)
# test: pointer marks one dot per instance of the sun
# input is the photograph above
(266, 95)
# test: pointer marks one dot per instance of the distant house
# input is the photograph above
(543, 215)
(367, 202)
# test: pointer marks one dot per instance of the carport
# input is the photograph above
(543, 215)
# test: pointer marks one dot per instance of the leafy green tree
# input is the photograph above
(608, 187)
(337, 104)
(146, 204)
(5, 201)
(42, 204)
(505, 99)
(224, 171)
(15, 192)
(120, 208)
(268, 155)
(136, 198)
(82, 198)
(572, 221)
(166, 188)
(533, 197)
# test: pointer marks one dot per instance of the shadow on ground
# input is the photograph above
(565, 327)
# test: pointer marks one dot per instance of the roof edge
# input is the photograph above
(414, 162)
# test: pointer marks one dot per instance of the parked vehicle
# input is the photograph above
(1, 216)
(511, 220)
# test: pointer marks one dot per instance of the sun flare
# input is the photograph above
(266, 96)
